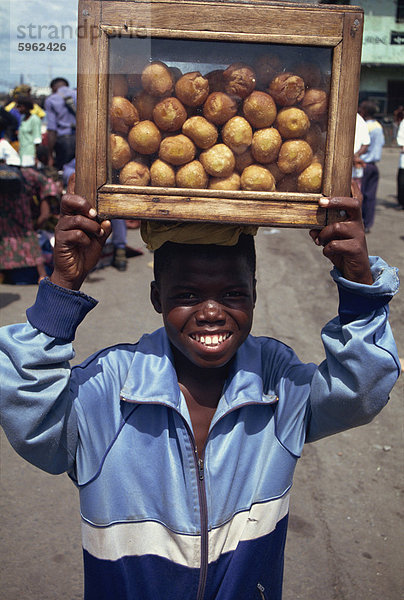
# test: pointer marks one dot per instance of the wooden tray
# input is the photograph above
(330, 31)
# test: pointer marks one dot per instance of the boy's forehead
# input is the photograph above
(191, 262)
(191, 257)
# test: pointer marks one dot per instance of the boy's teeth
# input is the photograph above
(210, 340)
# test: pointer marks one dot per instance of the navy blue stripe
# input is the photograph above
(234, 575)
(58, 311)
(353, 305)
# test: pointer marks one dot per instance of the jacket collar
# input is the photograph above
(152, 378)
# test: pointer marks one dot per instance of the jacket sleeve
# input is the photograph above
(354, 382)
(36, 403)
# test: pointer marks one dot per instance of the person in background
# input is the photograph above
(60, 109)
(21, 90)
(9, 125)
(361, 143)
(20, 252)
(371, 157)
(399, 119)
(25, 90)
(119, 261)
(68, 170)
(29, 132)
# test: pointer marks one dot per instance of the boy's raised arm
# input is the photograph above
(354, 382)
(37, 402)
(344, 242)
(79, 240)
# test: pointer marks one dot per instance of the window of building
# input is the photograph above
(400, 11)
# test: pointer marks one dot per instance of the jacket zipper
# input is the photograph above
(203, 512)
(204, 528)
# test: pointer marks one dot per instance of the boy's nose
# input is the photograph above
(211, 311)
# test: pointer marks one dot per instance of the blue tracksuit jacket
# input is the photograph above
(160, 522)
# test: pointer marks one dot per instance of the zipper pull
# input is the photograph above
(200, 466)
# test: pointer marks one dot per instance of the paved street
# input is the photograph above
(346, 527)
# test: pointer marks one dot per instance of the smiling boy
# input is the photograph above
(183, 446)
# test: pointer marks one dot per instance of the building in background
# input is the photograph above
(382, 72)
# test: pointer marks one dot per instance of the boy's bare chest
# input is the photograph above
(201, 411)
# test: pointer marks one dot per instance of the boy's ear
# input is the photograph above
(155, 297)
(254, 291)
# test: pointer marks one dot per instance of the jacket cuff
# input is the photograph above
(58, 311)
(357, 299)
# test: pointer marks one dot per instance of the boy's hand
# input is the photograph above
(344, 242)
(79, 239)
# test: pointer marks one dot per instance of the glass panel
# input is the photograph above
(217, 115)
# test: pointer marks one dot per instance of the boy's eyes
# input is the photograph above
(186, 296)
(194, 296)
(233, 294)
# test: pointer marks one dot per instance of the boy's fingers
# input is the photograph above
(351, 206)
(107, 227)
(71, 183)
(81, 223)
(76, 205)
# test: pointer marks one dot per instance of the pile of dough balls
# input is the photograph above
(245, 127)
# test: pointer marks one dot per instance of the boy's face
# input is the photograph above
(207, 307)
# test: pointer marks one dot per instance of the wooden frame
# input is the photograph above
(336, 27)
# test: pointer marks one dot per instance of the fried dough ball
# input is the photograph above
(162, 174)
(192, 175)
(157, 79)
(144, 103)
(294, 156)
(266, 144)
(257, 178)
(144, 137)
(218, 160)
(232, 182)
(314, 137)
(310, 179)
(192, 89)
(244, 160)
(215, 80)
(177, 150)
(315, 104)
(266, 67)
(239, 80)
(219, 108)
(309, 72)
(119, 85)
(201, 131)
(259, 109)
(122, 115)
(287, 89)
(276, 172)
(169, 114)
(119, 151)
(287, 184)
(292, 122)
(134, 173)
(237, 134)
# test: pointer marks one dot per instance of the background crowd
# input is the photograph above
(37, 157)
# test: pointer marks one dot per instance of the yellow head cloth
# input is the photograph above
(156, 233)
